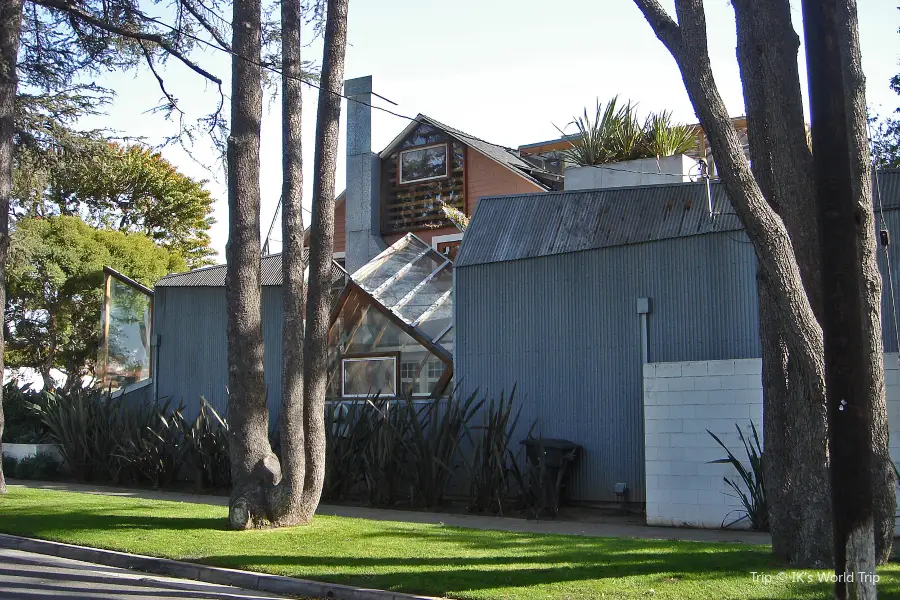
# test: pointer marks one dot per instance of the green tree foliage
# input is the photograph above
(134, 189)
(61, 170)
(886, 136)
(55, 288)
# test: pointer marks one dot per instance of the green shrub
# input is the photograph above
(10, 463)
(492, 465)
(615, 134)
(432, 446)
(22, 425)
(43, 466)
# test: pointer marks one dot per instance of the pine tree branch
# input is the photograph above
(68, 7)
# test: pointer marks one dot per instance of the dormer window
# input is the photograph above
(423, 164)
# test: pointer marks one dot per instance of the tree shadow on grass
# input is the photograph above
(20, 522)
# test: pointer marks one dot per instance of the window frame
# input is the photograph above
(380, 356)
(106, 313)
(446, 175)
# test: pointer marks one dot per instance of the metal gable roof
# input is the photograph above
(524, 226)
(270, 274)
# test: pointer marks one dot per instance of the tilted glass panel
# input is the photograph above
(126, 350)
(407, 281)
(371, 276)
(427, 295)
(437, 318)
(363, 329)
(446, 340)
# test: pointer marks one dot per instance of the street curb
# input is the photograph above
(262, 582)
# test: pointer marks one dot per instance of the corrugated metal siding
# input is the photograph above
(564, 330)
(193, 361)
(890, 304)
(269, 274)
(515, 227)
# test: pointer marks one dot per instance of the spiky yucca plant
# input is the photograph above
(615, 134)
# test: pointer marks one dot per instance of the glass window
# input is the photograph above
(407, 280)
(427, 296)
(366, 376)
(423, 164)
(362, 329)
(125, 352)
(437, 318)
(383, 267)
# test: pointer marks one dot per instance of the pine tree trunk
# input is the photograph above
(253, 466)
(318, 308)
(882, 476)
(862, 479)
(10, 26)
(288, 500)
(794, 431)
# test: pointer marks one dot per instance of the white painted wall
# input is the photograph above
(645, 171)
(683, 400)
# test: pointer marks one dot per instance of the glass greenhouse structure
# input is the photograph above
(392, 327)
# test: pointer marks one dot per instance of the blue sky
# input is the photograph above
(508, 71)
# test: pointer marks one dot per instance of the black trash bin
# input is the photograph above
(549, 461)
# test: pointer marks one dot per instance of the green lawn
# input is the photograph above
(425, 559)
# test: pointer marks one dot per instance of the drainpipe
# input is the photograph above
(643, 309)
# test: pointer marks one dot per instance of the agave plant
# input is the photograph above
(756, 509)
(615, 134)
(433, 444)
(492, 462)
(665, 138)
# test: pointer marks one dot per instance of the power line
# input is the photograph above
(887, 254)
(311, 84)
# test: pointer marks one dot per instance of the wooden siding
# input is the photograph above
(415, 206)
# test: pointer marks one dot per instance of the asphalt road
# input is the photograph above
(25, 576)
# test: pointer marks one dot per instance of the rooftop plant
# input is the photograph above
(615, 134)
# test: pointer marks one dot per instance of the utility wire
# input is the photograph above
(887, 254)
(456, 133)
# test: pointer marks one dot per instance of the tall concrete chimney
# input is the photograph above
(363, 221)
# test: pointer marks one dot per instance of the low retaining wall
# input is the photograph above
(684, 400)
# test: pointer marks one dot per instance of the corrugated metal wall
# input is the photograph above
(193, 362)
(564, 329)
(890, 304)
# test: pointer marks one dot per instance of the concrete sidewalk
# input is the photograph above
(447, 519)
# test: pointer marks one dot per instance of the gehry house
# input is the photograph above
(392, 329)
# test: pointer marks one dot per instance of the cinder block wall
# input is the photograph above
(681, 402)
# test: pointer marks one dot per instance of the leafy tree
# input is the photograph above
(47, 44)
(55, 289)
(133, 189)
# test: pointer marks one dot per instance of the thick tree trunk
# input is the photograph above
(852, 320)
(288, 499)
(884, 496)
(10, 26)
(321, 244)
(795, 432)
(253, 466)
